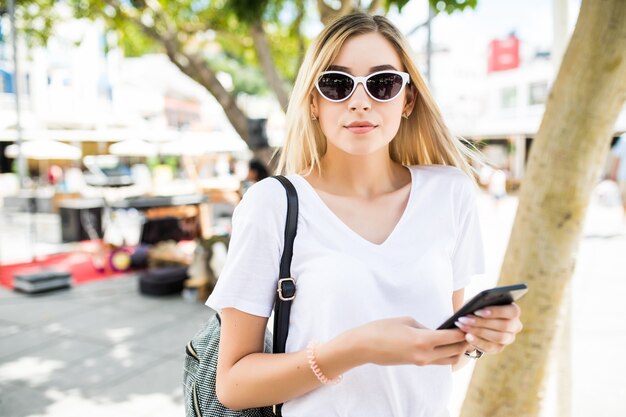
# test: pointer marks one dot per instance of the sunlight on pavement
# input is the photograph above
(35, 371)
(71, 404)
(119, 335)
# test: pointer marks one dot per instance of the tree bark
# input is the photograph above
(564, 165)
(328, 13)
(297, 29)
(374, 6)
(267, 63)
(194, 67)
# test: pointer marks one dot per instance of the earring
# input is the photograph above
(406, 116)
(314, 118)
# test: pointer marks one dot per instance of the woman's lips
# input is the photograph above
(360, 129)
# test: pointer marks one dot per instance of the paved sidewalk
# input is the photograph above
(99, 349)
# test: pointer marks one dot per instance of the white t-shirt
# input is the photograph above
(344, 281)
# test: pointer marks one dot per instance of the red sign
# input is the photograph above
(503, 54)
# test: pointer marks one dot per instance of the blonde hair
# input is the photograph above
(422, 139)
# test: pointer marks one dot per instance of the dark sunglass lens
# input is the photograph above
(335, 86)
(384, 86)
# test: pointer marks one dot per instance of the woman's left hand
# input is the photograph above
(491, 329)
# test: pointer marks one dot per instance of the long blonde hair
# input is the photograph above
(422, 139)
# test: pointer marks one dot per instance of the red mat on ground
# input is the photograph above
(78, 263)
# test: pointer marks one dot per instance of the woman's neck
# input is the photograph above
(360, 176)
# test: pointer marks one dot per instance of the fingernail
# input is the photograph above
(467, 320)
(460, 325)
(469, 337)
(482, 313)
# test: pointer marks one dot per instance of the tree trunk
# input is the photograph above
(563, 168)
(328, 13)
(267, 63)
(194, 67)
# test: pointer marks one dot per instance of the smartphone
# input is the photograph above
(492, 297)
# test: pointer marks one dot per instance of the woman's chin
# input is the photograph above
(363, 147)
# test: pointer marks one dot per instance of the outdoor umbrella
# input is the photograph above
(198, 144)
(133, 148)
(44, 149)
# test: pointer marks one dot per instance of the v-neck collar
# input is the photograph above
(335, 218)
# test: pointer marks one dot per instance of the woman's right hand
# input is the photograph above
(402, 340)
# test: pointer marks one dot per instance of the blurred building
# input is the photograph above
(78, 89)
(497, 99)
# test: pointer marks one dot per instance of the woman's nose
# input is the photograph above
(360, 100)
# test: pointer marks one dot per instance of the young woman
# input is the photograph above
(387, 239)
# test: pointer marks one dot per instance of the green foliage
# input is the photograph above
(217, 30)
(398, 3)
(35, 19)
(246, 79)
(285, 49)
(248, 11)
(133, 41)
(448, 6)
(451, 6)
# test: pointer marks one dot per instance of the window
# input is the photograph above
(537, 93)
(508, 97)
(6, 82)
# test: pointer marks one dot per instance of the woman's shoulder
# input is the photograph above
(265, 190)
(443, 173)
(266, 198)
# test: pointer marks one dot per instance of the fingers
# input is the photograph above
(442, 355)
(487, 339)
(509, 311)
(452, 360)
(410, 321)
(502, 325)
(493, 328)
(447, 337)
(493, 336)
(452, 350)
(485, 345)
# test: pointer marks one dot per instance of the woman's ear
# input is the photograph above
(409, 100)
(314, 108)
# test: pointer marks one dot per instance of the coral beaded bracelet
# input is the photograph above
(310, 354)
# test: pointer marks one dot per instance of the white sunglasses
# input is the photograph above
(382, 86)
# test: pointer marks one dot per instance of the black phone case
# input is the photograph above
(492, 297)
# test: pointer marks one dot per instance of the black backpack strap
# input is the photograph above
(286, 290)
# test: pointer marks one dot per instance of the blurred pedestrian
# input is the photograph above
(618, 169)
(494, 180)
(54, 174)
(497, 185)
(388, 238)
(256, 172)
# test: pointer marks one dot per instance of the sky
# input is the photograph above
(531, 20)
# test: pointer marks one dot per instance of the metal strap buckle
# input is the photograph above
(280, 289)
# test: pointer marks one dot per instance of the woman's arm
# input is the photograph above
(248, 378)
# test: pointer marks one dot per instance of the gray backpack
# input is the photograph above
(201, 352)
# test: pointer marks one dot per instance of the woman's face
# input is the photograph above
(360, 56)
